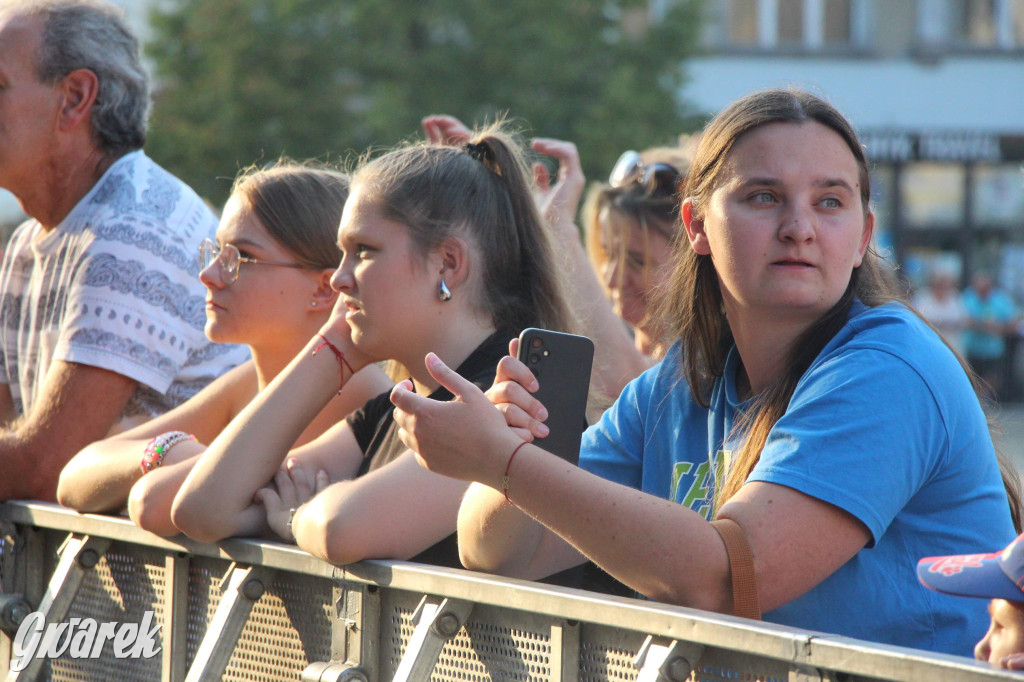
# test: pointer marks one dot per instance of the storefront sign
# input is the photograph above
(889, 146)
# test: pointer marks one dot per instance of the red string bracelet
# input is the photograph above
(508, 467)
(339, 355)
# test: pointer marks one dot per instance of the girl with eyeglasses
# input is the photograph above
(442, 250)
(268, 286)
(807, 436)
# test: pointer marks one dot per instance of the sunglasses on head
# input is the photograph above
(659, 180)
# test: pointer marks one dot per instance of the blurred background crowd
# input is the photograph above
(934, 87)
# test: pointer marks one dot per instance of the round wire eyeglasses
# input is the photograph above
(230, 260)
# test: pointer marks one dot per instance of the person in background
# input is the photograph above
(804, 406)
(941, 304)
(102, 323)
(442, 248)
(991, 315)
(630, 224)
(267, 278)
(995, 576)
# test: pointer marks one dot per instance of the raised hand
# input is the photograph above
(444, 129)
(559, 201)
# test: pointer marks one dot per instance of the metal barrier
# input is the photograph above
(251, 610)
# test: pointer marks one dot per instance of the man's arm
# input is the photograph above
(77, 405)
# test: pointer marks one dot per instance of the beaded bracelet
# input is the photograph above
(157, 448)
(342, 362)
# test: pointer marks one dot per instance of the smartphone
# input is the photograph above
(562, 364)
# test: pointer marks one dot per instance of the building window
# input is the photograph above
(998, 195)
(742, 21)
(933, 195)
(838, 29)
(790, 28)
(803, 24)
(984, 24)
(974, 22)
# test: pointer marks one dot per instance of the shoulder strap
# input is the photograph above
(745, 603)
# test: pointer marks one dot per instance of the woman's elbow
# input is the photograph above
(476, 561)
(191, 519)
(705, 599)
(69, 491)
(146, 511)
(331, 535)
(73, 485)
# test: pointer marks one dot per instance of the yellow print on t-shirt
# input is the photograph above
(703, 481)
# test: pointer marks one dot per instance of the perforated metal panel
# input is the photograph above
(608, 654)
(494, 644)
(288, 628)
(717, 665)
(126, 583)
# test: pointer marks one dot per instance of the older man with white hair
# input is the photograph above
(101, 311)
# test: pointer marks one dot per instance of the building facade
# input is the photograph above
(934, 87)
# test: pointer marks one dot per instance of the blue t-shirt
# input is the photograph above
(885, 425)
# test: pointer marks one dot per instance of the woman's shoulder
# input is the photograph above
(892, 327)
(892, 340)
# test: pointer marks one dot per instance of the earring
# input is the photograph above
(443, 292)
(313, 303)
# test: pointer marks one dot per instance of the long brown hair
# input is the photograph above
(299, 204)
(692, 301)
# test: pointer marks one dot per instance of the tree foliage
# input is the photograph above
(244, 81)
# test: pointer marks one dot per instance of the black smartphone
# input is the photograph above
(562, 364)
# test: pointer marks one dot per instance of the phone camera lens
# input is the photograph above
(537, 342)
(534, 358)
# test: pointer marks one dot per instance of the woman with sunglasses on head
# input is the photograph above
(632, 223)
(821, 423)
(443, 251)
(268, 286)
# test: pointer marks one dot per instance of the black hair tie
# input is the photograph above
(480, 152)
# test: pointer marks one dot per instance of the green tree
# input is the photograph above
(242, 81)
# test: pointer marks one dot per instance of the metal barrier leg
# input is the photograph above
(175, 625)
(565, 651)
(354, 636)
(437, 621)
(78, 554)
(244, 588)
(663, 660)
(803, 673)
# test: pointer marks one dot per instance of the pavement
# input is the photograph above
(1009, 419)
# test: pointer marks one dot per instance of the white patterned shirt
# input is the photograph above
(115, 285)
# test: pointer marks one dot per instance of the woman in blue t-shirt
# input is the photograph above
(801, 401)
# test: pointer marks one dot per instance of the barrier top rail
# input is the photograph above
(799, 648)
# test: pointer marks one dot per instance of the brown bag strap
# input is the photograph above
(745, 603)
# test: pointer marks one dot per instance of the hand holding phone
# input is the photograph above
(562, 364)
